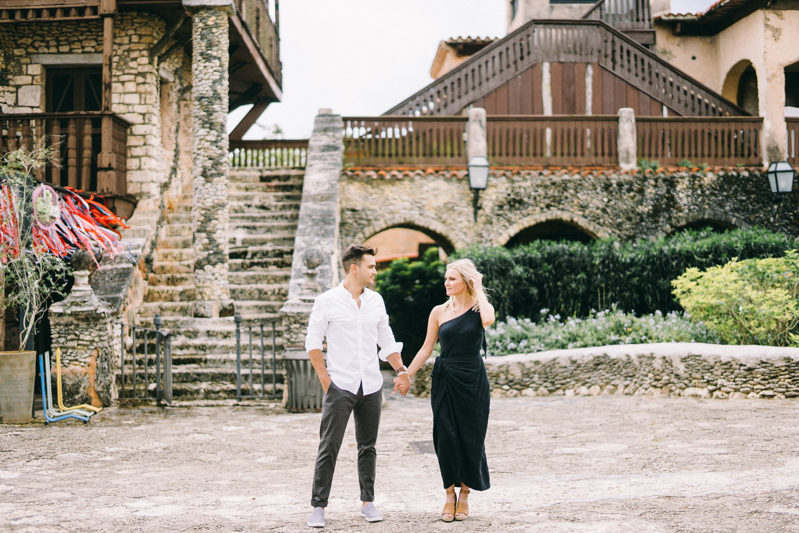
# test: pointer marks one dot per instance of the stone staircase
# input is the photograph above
(264, 208)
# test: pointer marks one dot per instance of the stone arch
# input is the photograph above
(432, 228)
(594, 231)
(713, 218)
(741, 86)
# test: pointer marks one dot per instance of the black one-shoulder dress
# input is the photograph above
(460, 397)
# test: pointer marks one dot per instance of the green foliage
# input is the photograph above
(746, 302)
(646, 164)
(601, 328)
(411, 290)
(572, 278)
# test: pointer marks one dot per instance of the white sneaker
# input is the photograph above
(317, 518)
(371, 514)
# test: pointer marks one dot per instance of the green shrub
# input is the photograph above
(598, 329)
(411, 290)
(647, 164)
(571, 278)
(746, 302)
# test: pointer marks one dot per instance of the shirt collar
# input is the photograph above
(365, 295)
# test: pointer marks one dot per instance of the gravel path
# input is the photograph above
(604, 464)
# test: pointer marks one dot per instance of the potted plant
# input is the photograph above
(29, 273)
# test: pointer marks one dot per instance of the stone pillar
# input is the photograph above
(626, 141)
(476, 143)
(83, 327)
(210, 98)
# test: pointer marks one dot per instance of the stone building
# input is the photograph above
(134, 98)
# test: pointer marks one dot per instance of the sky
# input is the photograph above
(361, 57)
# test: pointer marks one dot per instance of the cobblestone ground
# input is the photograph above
(602, 464)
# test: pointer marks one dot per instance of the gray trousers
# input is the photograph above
(336, 408)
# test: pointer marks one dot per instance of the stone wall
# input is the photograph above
(676, 369)
(603, 203)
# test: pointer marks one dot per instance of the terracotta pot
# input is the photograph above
(17, 378)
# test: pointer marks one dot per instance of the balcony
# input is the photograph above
(88, 151)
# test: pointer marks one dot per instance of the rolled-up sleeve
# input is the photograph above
(385, 337)
(317, 327)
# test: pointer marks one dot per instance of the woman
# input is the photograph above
(460, 393)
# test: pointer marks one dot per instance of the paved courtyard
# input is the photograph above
(599, 464)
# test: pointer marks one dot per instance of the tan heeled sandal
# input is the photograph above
(449, 509)
(463, 508)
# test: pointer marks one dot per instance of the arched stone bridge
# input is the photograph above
(517, 203)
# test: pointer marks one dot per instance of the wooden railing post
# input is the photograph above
(106, 163)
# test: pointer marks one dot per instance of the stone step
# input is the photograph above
(228, 361)
(257, 307)
(253, 175)
(173, 267)
(174, 243)
(262, 263)
(196, 374)
(173, 280)
(277, 210)
(263, 187)
(174, 255)
(215, 391)
(165, 293)
(177, 230)
(178, 218)
(262, 252)
(238, 240)
(260, 292)
(165, 309)
(275, 276)
(265, 217)
(263, 228)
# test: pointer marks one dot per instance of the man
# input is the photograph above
(354, 320)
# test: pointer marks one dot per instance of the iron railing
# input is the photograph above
(252, 367)
(146, 368)
(275, 153)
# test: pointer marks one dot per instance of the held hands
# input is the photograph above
(402, 383)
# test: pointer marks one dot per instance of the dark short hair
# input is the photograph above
(354, 254)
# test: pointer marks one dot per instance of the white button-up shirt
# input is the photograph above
(353, 335)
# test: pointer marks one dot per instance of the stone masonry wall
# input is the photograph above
(694, 370)
(210, 152)
(602, 203)
(136, 82)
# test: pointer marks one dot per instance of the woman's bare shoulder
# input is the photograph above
(437, 310)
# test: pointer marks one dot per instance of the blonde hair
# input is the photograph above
(466, 268)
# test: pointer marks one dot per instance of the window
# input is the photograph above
(514, 8)
(74, 90)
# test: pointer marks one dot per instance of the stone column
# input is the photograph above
(476, 143)
(83, 327)
(210, 98)
(626, 140)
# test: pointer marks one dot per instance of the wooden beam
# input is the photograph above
(246, 97)
(249, 119)
(168, 36)
(106, 158)
(183, 41)
(258, 57)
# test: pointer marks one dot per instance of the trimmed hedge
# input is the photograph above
(571, 278)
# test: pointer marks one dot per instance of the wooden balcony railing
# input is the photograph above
(269, 153)
(575, 41)
(404, 141)
(552, 140)
(255, 14)
(88, 148)
(792, 140)
(716, 141)
(622, 14)
(48, 10)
